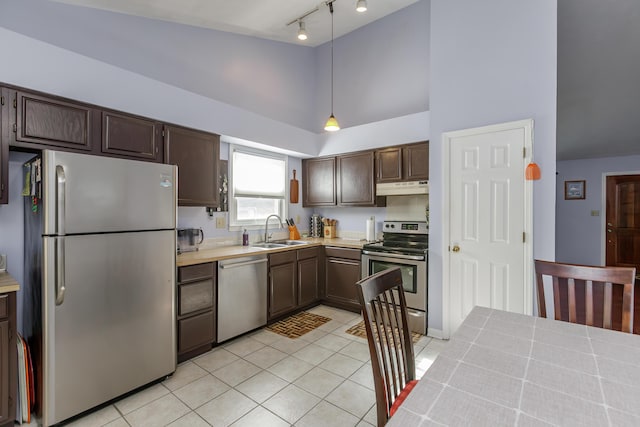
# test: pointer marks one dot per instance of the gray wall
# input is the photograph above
(492, 61)
(579, 236)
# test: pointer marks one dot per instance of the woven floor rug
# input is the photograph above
(297, 325)
(360, 331)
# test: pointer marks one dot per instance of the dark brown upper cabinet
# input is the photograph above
(356, 182)
(4, 146)
(131, 136)
(403, 163)
(196, 154)
(319, 182)
(54, 122)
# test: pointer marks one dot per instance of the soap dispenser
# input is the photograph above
(245, 238)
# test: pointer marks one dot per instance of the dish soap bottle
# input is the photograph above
(245, 238)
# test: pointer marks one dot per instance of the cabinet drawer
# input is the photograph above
(195, 331)
(195, 296)
(308, 253)
(282, 258)
(194, 272)
(4, 306)
(334, 252)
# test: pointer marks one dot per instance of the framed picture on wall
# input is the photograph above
(574, 190)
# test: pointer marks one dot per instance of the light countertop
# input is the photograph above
(8, 283)
(226, 252)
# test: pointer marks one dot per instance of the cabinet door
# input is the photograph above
(56, 122)
(356, 182)
(319, 182)
(416, 162)
(5, 351)
(307, 281)
(282, 288)
(389, 165)
(196, 331)
(4, 146)
(131, 136)
(196, 154)
(341, 277)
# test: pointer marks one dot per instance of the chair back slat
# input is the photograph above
(585, 293)
(384, 310)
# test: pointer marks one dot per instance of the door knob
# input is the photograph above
(456, 248)
(609, 224)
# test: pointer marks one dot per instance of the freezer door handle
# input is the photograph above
(60, 285)
(61, 181)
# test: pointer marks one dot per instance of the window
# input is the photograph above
(257, 187)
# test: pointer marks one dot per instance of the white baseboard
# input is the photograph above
(435, 333)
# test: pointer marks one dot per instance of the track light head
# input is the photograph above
(361, 6)
(302, 32)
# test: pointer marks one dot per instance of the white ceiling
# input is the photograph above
(266, 19)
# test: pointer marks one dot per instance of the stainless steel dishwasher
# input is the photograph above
(242, 295)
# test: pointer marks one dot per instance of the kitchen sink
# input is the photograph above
(268, 245)
(292, 242)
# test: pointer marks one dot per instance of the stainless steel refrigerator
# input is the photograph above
(100, 247)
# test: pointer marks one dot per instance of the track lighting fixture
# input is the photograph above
(302, 32)
(361, 6)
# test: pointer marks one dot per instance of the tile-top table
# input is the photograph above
(506, 369)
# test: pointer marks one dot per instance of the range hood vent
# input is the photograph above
(402, 188)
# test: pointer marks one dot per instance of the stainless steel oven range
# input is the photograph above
(405, 245)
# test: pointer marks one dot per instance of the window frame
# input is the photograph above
(234, 223)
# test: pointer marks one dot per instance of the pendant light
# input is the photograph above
(302, 32)
(361, 6)
(332, 124)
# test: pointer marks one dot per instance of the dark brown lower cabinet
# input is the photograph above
(196, 309)
(342, 270)
(293, 281)
(8, 359)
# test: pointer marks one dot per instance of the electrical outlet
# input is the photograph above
(297, 219)
(220, 222)
(3, 262)
(595, 213)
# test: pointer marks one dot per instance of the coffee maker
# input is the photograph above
(189, 239)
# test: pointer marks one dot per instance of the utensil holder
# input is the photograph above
(294, 234)
(330, 232)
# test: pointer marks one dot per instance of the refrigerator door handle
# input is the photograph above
(60, 284)
(61, 181)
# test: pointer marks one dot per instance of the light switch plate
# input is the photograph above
(3, 262)
(220, 222)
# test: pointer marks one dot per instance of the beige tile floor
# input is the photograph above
(263, 379)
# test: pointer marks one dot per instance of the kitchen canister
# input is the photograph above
(370, 230)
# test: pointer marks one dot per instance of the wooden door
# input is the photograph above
(356, 181)
(196, 154)
(282, 283)
(622, 234)
(130, 136)
(308, 272)
(319, 182)
(487, 201)
(4, 146)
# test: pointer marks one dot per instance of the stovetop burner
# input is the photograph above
(403, 237)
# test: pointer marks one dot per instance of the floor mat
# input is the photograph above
(359, 331)
(297, 325)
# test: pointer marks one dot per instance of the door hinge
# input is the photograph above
(523, 237)
(15, 103)
(163, 132)
(1, 100)
(15, 127)
(524, 152)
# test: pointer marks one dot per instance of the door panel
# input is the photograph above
(486, 264)
(105, 194)
(116, 324)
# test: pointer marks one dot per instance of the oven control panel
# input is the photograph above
(406, 227)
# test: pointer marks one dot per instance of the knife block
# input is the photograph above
(294, 234)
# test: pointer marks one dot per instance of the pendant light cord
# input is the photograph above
(331, 10)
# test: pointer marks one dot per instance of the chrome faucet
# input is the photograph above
(266, 227)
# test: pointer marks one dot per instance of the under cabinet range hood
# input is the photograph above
(402, 188)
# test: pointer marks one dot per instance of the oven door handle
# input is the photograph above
(392, 255)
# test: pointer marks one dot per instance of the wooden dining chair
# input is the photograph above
(384, 310)
(585, 294)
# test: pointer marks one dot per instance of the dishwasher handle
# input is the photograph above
(242, 264)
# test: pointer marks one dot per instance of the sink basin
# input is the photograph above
(293, 242)
(268, 245)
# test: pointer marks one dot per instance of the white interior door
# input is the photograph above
(489, 205)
